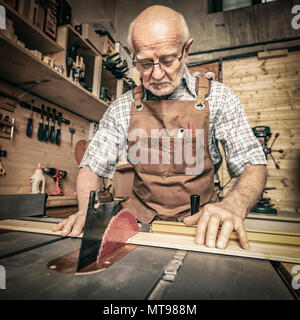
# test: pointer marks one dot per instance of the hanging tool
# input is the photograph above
(30, 122)
(58, 131)
(41, 124)
(46, 130)
(104, 225)
(52, 129)
(57, 176)
(72, 131)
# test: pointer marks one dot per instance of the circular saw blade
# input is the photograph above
(120, 228)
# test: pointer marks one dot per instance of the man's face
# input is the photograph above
(161, 79)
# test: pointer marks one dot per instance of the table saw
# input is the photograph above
(145, 273)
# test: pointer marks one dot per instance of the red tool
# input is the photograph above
(57, 176)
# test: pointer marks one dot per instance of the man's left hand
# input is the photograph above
(212, 216)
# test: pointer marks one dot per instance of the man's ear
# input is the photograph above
(186, 49)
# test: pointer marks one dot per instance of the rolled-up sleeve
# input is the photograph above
(106, 146)
(233, 130)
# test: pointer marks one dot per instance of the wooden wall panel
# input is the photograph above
(24, 153)
(269, 91)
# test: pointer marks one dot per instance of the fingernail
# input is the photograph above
(210, 243)
(247, 246)
(220, 245)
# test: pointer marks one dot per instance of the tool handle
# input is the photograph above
(46, 133)
(57, 138)
(29, 128)
(41, 131)
(195, 203)
(51, 134)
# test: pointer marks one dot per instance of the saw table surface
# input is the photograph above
(201, 275)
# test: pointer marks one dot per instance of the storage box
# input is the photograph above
(123, 181)
(88, 33)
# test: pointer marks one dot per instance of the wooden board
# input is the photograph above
(276, 252)
(178, 228)
(30, 226)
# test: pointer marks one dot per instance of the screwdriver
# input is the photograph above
(46, 130)
(41, 124)
(52, 130)
(30, 122)
(58, 131)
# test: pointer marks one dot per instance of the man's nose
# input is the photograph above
(157, 72)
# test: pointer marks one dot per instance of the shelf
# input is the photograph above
(75, 36)
(29, 34)
(18, 66)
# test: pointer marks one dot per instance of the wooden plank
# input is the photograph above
(276, 252)
(179, 228)
(61, 201)
(30, 226)
(272, 54)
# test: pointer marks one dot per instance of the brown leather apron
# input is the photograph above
(165, 178)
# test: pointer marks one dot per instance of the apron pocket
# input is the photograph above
(188, 156)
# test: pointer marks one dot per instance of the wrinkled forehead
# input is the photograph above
(156, 36)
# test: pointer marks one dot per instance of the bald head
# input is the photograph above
(155, 24)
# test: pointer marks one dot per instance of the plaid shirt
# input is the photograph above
(228, 124)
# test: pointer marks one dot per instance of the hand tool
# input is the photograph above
(52, 129)
(41, 124)
(38, 110)
(195, 203)
(30, 122)
(72, 131)
(57, 176)
(58, 131)
(104, 225)
(46, 129)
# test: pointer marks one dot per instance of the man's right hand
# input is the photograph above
(71, 226)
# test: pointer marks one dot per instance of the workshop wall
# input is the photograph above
(245, 26)
(269, 90)
(24, 153)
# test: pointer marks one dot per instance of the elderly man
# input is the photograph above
(170, 99)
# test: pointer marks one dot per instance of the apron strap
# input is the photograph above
(203, 88)
(138, 94)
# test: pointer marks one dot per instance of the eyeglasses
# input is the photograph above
(147, 66)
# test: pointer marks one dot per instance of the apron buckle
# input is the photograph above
(139, 107)
(199, 106)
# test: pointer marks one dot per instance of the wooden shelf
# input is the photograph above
(19, 66)
(29, 34)
(75, 36)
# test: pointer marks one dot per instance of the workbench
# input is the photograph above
(137, 276)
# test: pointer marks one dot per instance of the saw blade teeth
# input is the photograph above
(109, 236)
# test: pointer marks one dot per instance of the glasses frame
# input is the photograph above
(159, 62)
